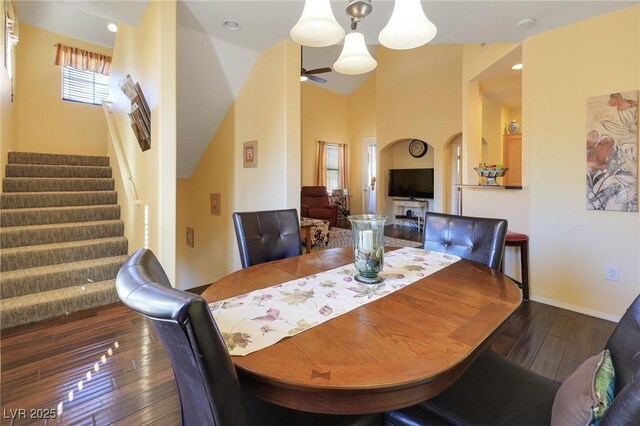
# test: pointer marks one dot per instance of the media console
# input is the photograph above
(417, 208)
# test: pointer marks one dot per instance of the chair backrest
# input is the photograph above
(267, 235)
(474, 238)
(314, 196)
(624, 346)
(207, 382)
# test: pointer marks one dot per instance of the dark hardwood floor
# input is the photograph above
(106, 365)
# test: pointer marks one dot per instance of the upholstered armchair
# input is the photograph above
(314, 203)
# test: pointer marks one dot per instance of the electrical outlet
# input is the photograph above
(612, 273)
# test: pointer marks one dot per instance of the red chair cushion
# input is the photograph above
(514, 236)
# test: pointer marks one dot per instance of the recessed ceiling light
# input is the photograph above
(517, 67)
(231, 25)
(526, 23)
(112, 27)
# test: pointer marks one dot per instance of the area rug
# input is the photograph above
(339, 237)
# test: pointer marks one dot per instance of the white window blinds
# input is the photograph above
(333, 168)
(84, 86)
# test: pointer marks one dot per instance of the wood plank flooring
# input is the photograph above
(107, 366)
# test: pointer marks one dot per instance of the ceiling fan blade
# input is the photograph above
(317, 79)
(319, 70)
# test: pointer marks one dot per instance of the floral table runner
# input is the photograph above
(253, 321)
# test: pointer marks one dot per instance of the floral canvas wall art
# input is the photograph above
(612, 152)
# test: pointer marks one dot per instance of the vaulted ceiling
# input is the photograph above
(221, 59)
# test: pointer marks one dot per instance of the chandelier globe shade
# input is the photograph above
(355, 57)
(408, 27)
(317, 27)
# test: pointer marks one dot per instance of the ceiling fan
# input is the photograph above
(309, 75)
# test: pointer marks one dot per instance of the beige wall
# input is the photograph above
(418, 95)
(492, 130)
(147, 53)
(412, 94)
(476, 60)
(7, 111)
(325, 117)
(267, 109)
(512, 205)
(44, 122)
(362, 125)
(337, 118)
(571, 246)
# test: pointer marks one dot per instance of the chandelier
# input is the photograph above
(407, 28)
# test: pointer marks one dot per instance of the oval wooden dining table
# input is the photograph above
(391, 353)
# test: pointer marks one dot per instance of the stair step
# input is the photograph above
(21, 200)
(52, 254)
(49, 304)
(43, 216)
(56, 159)
(13, 184)
(43, 170)
(19, 236)
(51, 277)
(61, 236)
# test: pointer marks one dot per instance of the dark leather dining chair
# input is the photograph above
(494, 391)
(208, 387)
(474, 238)
(268, 235)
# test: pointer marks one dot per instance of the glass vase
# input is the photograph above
(367, 232)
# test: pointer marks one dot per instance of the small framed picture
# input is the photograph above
(190, 242)
(215, 204)
(250, 154)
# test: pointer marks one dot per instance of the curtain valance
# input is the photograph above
(67, 56)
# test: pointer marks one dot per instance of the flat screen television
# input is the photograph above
(411, 183)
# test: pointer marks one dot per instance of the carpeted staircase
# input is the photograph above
(61, 237)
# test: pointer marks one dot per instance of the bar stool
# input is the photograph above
(515, 239)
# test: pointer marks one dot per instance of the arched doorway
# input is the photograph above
(452, 175)
(397, 155)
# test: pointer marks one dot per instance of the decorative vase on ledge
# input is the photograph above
(513, 127)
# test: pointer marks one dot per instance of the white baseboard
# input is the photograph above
(575, 308)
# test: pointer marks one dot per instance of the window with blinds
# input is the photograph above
(333, 168)
(84, 86)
